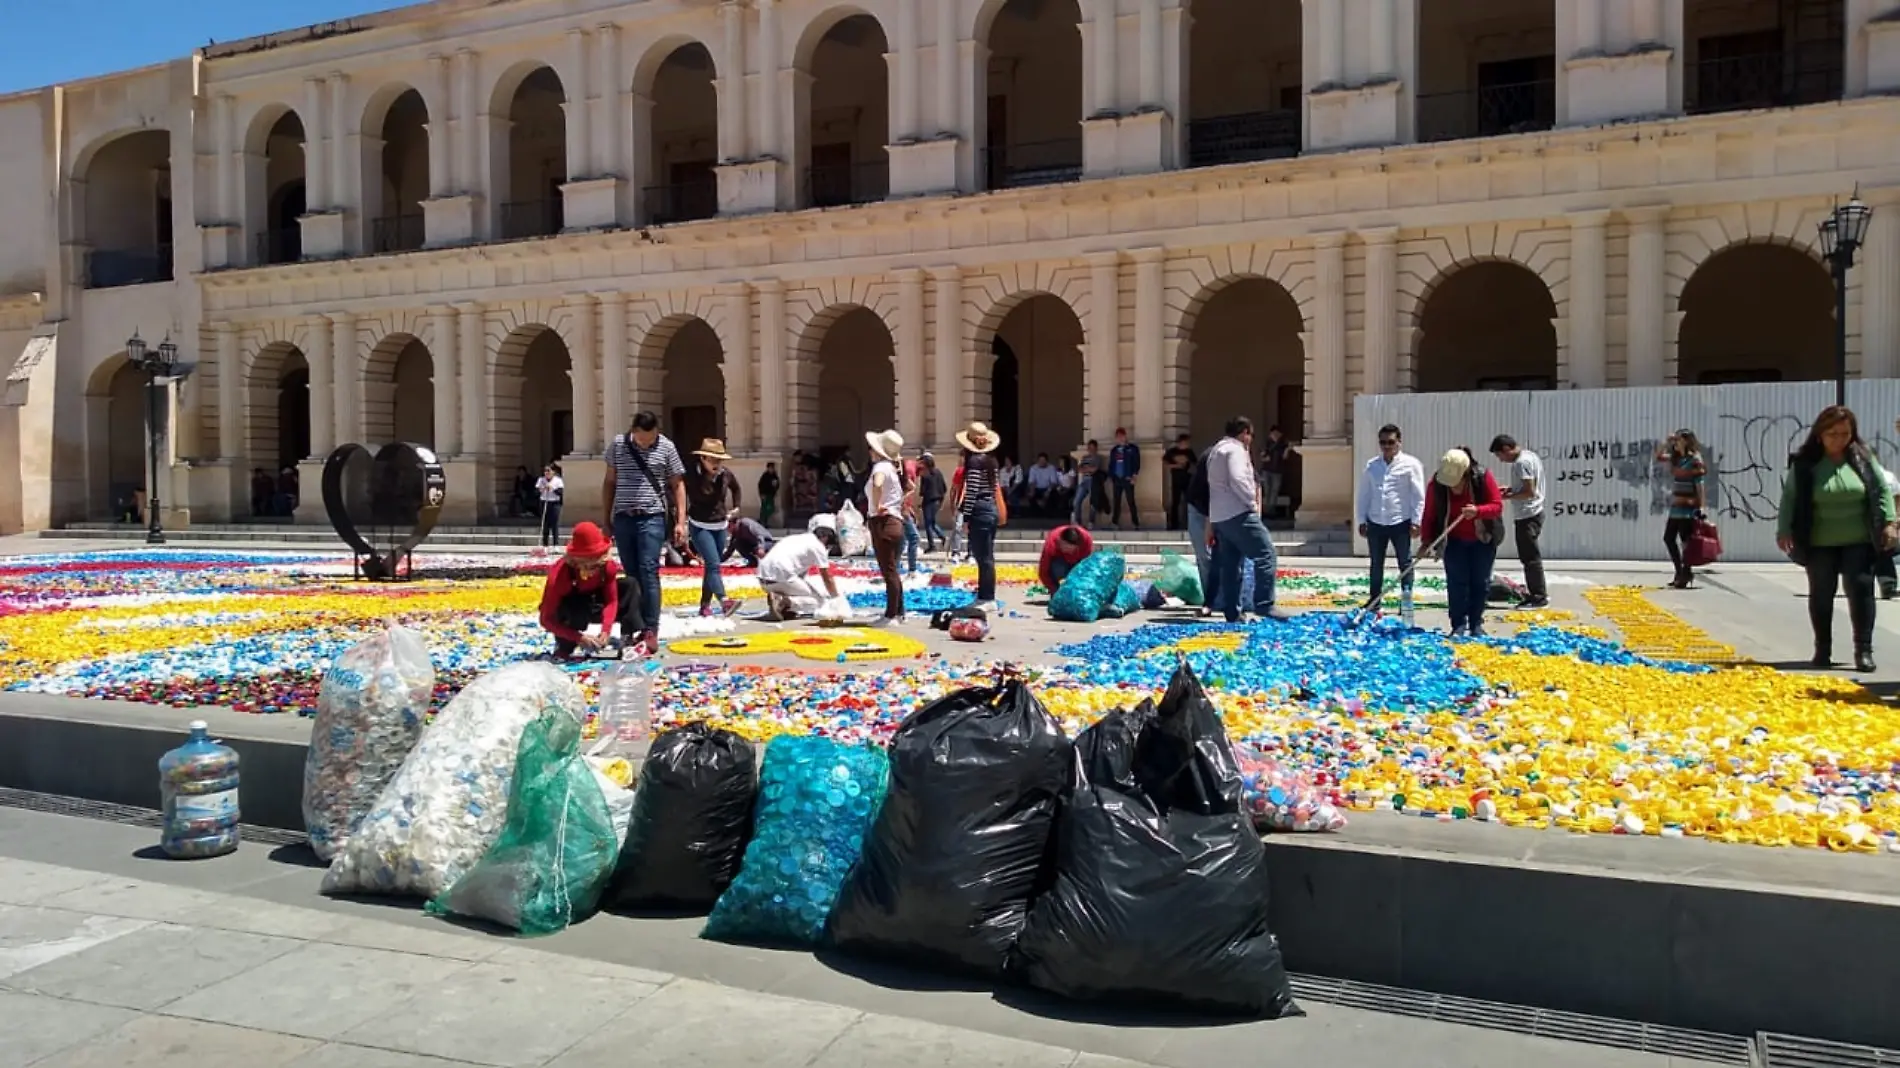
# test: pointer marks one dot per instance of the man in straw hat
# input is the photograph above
(713, 499)
(886, 499)
(585, 587)
(783, 574)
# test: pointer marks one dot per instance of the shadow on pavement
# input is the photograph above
(896, 976)
(1048, 1006)
(297, 856)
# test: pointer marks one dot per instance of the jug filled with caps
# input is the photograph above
(198, 785)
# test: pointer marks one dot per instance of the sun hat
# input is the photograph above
(1452, 468)
(588, 543)
(978, 438)
(886, 444)
(714, 448)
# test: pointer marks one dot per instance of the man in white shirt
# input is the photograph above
(1526, 494)
(789, 593)
(1391, 502)
(1043, 480)
(1235, 531)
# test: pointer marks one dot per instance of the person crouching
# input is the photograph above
(1065, 547)
(785, 570)
(585, 586)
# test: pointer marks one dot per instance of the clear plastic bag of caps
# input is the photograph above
(370, 712)
(1282, 799)
(448, 803)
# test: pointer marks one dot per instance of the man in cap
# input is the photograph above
(784, 573)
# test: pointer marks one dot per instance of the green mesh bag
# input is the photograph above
(557, 850)
(1179, 577)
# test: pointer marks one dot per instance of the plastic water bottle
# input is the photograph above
(198, 782)
(626, 702)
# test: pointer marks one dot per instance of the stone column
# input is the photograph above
(1589, 24)
(579, 132)
(1381, 27)
(225, 119)
(1149, 308)
(1587, 366)
(441, 181)
(340, 193)
(911, 383)
(468, 167)
(771, 344)
(948, 52)
(1149, 71)
(1104, 100)
(347, 369)
(1332, 42)
(316, 167)
(471, 359)
(768, 63)
(738, 368)
(322, 390)
(1880, 294)
(1648, 288)
(1381, 325)
(908, 76)
(230, 394)
(731, 83)
(1103, 392)
(610, 124)
(613, 365)
(585, 378)
(1326, 352)
(947, 368)
(447, 395)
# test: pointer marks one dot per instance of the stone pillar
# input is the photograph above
(468, 139)
(1381, 33)
(585, 378)
(610, 128)
(1381, 327)
(230, 394)
(1880, 295)
(1103, 392)
(1331, 39)
(1587, 365)
(1588, 16)
(613, 365)
(224, 119)
(446, 392)
(907, 77)
(347, 369)
(768, 64)
(911, 382)
(1150, 305)
(440, 180)
(771, 345)
(316, 166)
(948, 51)
(340, 192)
(947, 348)
(730, 84)
(1150, 52)
(471, 360)
(1648, 286)
(574, 109)
(1326, 347)
(322, 390)
(738, 367)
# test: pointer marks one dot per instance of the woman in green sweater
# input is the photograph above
(1837, 516)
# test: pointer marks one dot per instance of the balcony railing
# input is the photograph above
(1489, 111)
(850, 183)
(281, 245)
(1742, 83)
(530, 218)
(1034, 163)
(395, 233)
(684, 202)
(107, 268)
(1243, 138)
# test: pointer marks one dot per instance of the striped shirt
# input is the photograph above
(1685, 474)
(979, 484)
(634, 492)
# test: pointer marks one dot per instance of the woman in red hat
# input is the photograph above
(585, 586)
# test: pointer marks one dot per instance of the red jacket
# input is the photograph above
(1492, 507)
(562, 581)
(1053, 549)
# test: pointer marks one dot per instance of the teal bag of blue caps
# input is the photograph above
(817, 798)
(1089, 588)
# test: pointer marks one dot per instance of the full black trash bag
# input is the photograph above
(692, 818)
(960, 846)
(1160, 894)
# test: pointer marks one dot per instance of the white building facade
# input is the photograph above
(501, 228)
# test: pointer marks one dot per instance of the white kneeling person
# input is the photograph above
(784, 573)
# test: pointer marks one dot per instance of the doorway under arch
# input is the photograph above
(1036, 379)
(399, 393)
(534, 400)
(1029, 112)
(1247, 359)
(1756, 313)
(115, 438)
(278, 400)
(1488, 325)
(693, 400)
(857, 382)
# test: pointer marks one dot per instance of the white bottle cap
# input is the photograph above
(198, 725)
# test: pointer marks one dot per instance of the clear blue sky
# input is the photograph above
(50, 41)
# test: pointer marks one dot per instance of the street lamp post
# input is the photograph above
(158, 364)
(1842, 234)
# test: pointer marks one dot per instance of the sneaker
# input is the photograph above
(705, 611)
(1278, 615)
(1476, 631)
(1457, 632)
(1529, 604)
(728, 606)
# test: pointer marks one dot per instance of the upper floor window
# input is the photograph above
(125, 206)
(1486, 69)
(1031, 124)
(1244, 81)
(1762, 53)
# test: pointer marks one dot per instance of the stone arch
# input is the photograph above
(987, 12)
(845, 380)
(273, 183)
(531, 415)
(277, 406)
(528, 157)
(1487, 324)
(1692, 238)
(395, 166)
(1037, 74)
(682, 355)
(676, 131)
(1757, 311)
(399, 392)
(842, 109)
(1032, 369)
(1428, 259)
(115, 434)
(1244, 353)
(121, 207)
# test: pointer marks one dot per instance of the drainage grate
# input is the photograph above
(1793, 1051)
(1701, 1046)
(130, 815)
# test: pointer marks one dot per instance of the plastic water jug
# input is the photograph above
(626, 702)
(198, 782)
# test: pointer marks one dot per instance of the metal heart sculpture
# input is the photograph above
(383, 506)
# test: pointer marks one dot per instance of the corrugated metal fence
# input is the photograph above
(1607, 498)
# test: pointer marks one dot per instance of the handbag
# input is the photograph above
(1703, 546)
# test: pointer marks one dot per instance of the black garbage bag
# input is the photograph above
(692, 818)
(961, 844)
(1160, 893)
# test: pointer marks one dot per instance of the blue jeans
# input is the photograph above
(1203, 556)
(933, 532)
(710, 547)
(980, 528)
(1244, 537)
(910, 542)
(640, 539)
(1084, 498)
(1397, 537)
(1468, 580)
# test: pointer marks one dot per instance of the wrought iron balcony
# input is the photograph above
(1243, 138)
(395, 233)
(283, 244)
(1768, 80)
(110, 268)
(1033, 163)
(683, 202)
(854, 183)
(1488, 111)
(530, 218)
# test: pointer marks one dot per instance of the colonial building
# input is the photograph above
(500, 228)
